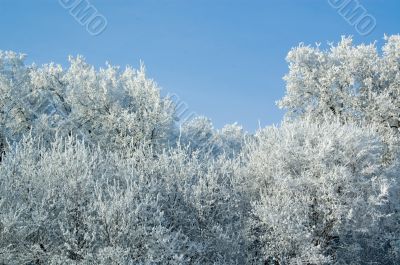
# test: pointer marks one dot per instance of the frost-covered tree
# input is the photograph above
(357, 86)
(320, 195)
(14, 83)
(230, 140)
(116, 108)
(199, 135)
(354, 83)
(106, 107)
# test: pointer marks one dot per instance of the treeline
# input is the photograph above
(96, 168)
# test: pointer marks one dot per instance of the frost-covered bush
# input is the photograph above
(72, 204)
(321, 195)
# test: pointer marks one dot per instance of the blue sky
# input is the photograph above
(224, 58)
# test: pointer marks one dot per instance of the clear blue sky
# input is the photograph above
(224, 58)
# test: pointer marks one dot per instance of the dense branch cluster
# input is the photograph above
(97, 169)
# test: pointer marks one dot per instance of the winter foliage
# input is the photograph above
(96, 168)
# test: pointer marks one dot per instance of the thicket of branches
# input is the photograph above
(96, 169)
